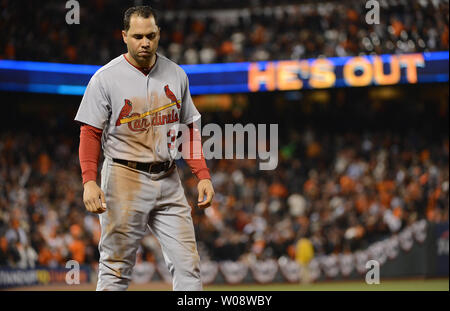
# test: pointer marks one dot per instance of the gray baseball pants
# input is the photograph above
(134, 202)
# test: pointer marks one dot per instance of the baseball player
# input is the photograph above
(131, 108)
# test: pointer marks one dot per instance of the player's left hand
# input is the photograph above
(205, 188)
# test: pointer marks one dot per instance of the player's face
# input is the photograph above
(142, 39)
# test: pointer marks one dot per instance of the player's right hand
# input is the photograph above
(94, 198)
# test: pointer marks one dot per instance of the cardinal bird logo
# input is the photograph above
(125, 112)
(171, 96)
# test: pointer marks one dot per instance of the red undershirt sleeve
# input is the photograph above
(89, 151)
(90, 145)
(196, 160)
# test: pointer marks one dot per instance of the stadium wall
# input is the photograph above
(420, 250)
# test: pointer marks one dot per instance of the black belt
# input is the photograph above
(154, 168)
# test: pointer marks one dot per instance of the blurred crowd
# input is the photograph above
(342, 192)
(41, 219)
(263, 30)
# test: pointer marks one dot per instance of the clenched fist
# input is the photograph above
(94, 198)
(205, 188)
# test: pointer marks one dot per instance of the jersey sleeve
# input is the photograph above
(189, 112)
(95, 106)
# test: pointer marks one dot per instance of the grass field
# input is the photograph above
(390, 285)
(385, 285)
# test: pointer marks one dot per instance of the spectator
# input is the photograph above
(304, 254)
(364, 186)
(255, 33)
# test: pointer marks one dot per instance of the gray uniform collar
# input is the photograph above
(143, 71)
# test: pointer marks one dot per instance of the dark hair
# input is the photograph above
(144, 11)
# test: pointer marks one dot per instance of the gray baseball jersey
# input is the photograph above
(138, 113)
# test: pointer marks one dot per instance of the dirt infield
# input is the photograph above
(154, 286)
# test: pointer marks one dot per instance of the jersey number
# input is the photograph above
(171, 135)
